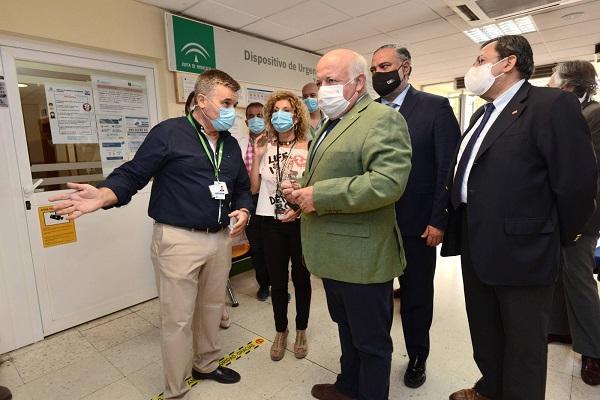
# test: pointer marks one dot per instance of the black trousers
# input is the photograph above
(282, 243)
(509, 329)
(416, 296)
(255, 237)
(363, 313)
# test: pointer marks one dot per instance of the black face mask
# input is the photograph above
(385, 83)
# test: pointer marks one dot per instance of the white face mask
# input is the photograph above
(332, 101)
(479, 79)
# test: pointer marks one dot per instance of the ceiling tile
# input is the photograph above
(580, 41)
(360, 7)
(439, 7)
(260, 8)
(552, 19)
(309, 16)
(455, 40)
(347, 31)
(581, 53)
(565, 32)
(171, 5)
(403, 15)
(427, 30)
(309, 41)
(271, 30)
(368, 45)
(217, 14)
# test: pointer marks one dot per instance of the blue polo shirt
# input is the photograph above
(173, 155)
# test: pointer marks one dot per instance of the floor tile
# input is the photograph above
(136, 353)
(103, 320)
(51, 354)
(117, 331)
(75, 381)
(149, 380)
(120, 390)
(149, 310)
(9, 376)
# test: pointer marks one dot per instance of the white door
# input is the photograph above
(74, 120)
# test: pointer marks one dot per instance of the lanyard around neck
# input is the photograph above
(215, 159)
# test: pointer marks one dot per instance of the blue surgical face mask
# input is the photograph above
(312, 104)
(256, 125)
(282, 121)
(225, 120)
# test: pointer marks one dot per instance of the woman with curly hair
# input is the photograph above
(283, 157)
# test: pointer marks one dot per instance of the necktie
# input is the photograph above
(321, 137)
(459, 177)
(249, 155)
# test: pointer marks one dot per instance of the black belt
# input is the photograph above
(214, 229)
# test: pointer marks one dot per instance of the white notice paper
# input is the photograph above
(71, 114)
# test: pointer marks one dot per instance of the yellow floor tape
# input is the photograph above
(224, 361)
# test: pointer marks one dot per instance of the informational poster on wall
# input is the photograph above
(3, 95)
(71, 113)
(55, 229)
(258, 95)
(123, 119)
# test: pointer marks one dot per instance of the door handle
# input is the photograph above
(30, 189)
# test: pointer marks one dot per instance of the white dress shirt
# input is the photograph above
(398, 100)
(499, 104)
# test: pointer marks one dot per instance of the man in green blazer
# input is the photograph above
(358, 166)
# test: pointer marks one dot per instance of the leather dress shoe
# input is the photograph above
(467, 394)
(5, 393)
(566, 339)
(221, 375)
(327, 391)
(590, 370)
(415, 373)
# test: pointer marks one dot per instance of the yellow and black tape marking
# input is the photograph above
(224, 361)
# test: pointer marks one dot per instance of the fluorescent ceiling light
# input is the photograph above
(515, 26)
(22, 85)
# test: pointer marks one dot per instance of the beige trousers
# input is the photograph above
(191, 269)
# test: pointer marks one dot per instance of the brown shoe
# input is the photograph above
(301, 344)
(279, 345)
(5, 393)
(327, 391)
(590, 370)
(467, 394)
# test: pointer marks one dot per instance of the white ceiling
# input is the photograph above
(428, 28)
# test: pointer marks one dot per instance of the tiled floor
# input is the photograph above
(118, 356)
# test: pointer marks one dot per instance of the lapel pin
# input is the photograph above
(514, 112)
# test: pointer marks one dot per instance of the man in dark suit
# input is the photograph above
(522, 184)
(421, 212)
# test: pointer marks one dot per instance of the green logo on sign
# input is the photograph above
(194, 45)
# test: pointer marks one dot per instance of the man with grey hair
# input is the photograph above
(576, 310)
(200, 183)
(422, 212)
(357, 169)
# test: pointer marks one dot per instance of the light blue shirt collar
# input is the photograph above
(399, 99)
(502, 100)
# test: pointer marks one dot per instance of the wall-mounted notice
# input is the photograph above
(258, 95)
(55, 229)
(123, 119)
(71, 114)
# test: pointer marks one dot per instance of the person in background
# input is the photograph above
(256, 131)
(190, 105)
(317, 118)
(421, 212)
(357, 170)
(283, 157)
(200, 188)
(5, 394)
(522, 186)
(576, 309)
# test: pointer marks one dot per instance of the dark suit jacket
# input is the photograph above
(531, 188)
(591, 113)
(434, 134)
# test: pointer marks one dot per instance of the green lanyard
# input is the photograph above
(210, 154)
